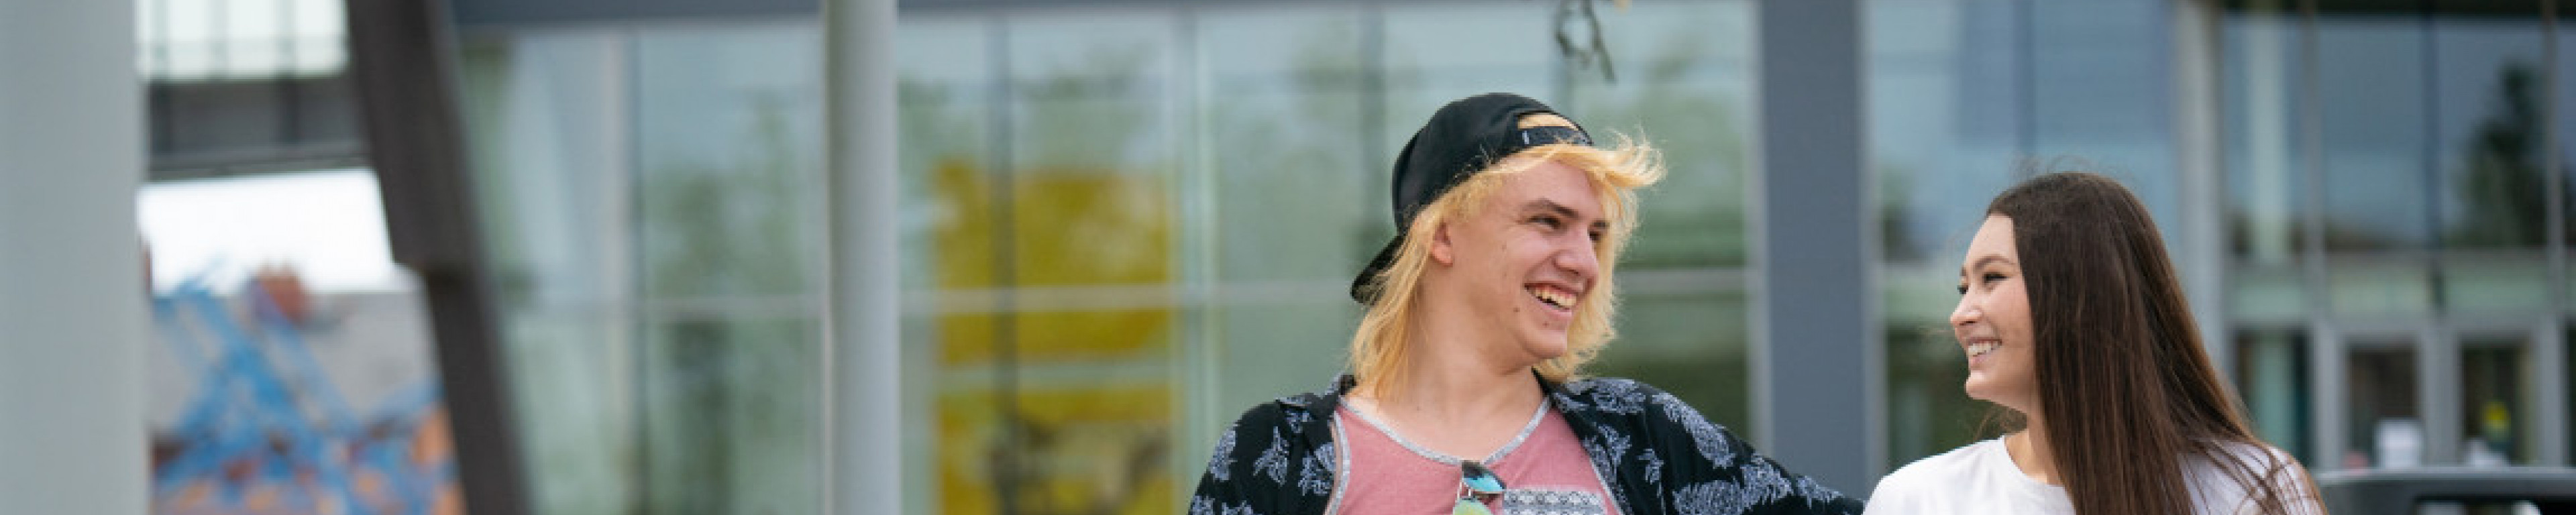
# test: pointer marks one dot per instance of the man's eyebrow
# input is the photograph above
(1548, 206)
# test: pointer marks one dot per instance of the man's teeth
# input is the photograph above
(1980, 349)
(1553, 297)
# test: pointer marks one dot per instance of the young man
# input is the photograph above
(1463, 394)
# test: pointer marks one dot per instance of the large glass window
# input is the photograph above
(1297, 161)
(1161, 210)
(2495, 405)
(2563, 118)
(2266, 214)
(1056, 389)
(1965, 98)
(2491, 209)
(656, 245)
(2382, 413)
(2267, 171)
(549, 139)
(2375, 138)
(1944, 113)
(2272, 378)
(1681, 78)
(1121, 225)
(2425, 185)
(728, 246)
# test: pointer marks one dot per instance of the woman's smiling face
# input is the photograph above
(1992, 321)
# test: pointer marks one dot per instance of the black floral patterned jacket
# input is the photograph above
(1658, 455)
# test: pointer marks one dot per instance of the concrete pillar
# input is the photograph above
(864, 472)
(1818, 342)
(2200, 241)
(73, 316)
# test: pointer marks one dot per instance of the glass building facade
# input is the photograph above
(1122, 224)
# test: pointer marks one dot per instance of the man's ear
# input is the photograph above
(1442, 251)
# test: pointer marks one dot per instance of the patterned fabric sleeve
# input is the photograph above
(1720, 474)
(1252, 470)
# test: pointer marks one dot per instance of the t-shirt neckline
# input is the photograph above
(1444, 458)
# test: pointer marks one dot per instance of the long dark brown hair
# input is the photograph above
(2125, 392)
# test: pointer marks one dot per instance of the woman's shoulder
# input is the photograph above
(2264, 462)
(1963, 458)
(1935, 471)
(2257, 454)
(2227, 485)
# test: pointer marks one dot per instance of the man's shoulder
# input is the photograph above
(1610, 385)
(1295, 413)
(1635, 409)
(1283, 412)
(1627, 402)
(1277, 457)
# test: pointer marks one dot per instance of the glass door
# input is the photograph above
(2381, 424)
(2512, 395)
(2478, 394)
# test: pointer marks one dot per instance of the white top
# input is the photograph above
(1981, 478)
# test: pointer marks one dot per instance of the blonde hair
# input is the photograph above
(1379, 348)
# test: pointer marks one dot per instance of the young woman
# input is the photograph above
(2074, 323)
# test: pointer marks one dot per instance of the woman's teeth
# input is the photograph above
(1980, 349)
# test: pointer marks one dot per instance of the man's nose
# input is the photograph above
(1582, 260)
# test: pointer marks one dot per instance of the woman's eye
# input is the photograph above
(1994, 277)
(1547, 221)
(1963, 289)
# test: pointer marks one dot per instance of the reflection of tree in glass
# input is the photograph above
(1691, 345)
(1695, 218)
(2501, 185)
(1927, 412)
(724, 399)
(1293, 154)
(735, 229)
(1091, 112)
(937, 127)
(1897, 243)
(1081, 201)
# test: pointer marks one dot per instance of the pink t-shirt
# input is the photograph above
(1545, 470)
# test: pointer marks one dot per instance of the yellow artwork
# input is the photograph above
(1090, 383)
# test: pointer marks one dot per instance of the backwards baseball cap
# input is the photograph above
(1463, 138)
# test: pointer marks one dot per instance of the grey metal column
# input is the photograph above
(863, 474)
(2547, 383)
(2437, 391)
(2201, 244)
(1816, 351)
(73, 320)
(2327, 351)
(2326, 367)
(2550, 380)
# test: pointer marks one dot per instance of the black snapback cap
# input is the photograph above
(1462, 138)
